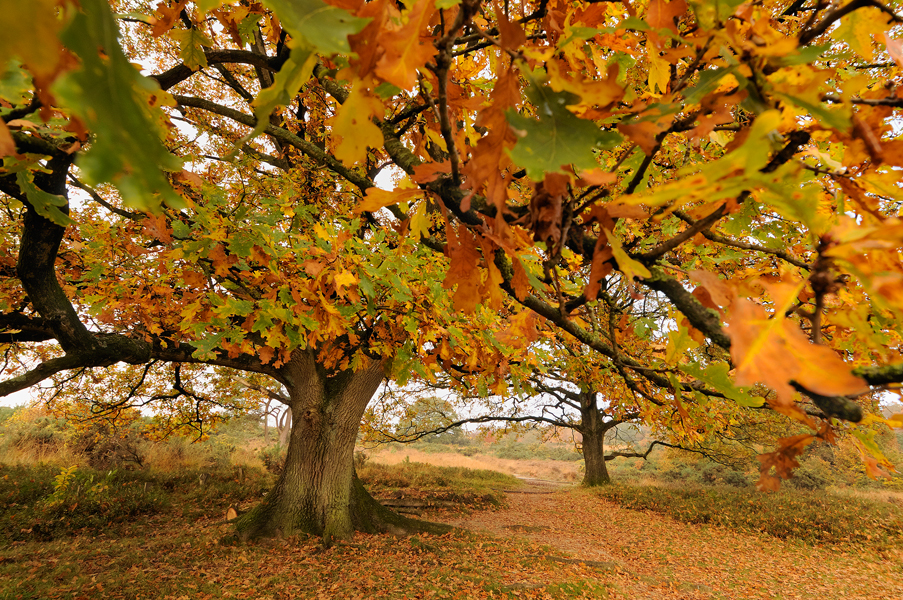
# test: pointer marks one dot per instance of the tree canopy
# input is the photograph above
(705, 195)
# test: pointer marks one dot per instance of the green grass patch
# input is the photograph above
(458, 484)
(422, 475)
(812, 517)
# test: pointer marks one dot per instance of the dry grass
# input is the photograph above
(889, 496)
(552, 470)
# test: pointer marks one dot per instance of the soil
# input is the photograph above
(644, 555)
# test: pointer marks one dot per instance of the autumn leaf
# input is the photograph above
(354, 127)
(377, 198)
(774, 351)
(405, 52)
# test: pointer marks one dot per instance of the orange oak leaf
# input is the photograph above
(776, 352)
(662, 14)
(718, 289)
(642, 134)
(512, 34)
(485, 169)
(464, 271)
(404, 50)
(377, 198)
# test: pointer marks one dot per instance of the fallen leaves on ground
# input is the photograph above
(653, 556)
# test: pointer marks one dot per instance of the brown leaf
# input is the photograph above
(546, 212)
(783, 460)
(7, 144)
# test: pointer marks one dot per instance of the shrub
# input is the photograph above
(813, 474)
(736, 478)
(273, 458)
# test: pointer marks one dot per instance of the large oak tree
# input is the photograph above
(735, 161)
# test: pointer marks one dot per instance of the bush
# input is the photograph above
(736, 479)
(107, 449)
(273, 458)
(813, 474)
(47, 502)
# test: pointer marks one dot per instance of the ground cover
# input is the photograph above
(642, 554)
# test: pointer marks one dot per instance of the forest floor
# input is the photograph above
(644, 555)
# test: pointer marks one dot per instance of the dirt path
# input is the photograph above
(645, 555)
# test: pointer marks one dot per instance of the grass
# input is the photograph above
(812, 517)
(47, 502)
(429, 482)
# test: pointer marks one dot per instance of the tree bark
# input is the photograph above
(318, 491)
(593, 430)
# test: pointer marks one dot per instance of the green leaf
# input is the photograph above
(192, 44)
(446, 4)
(708, 83)
(717, 377)
(46, 205)
(558, 138)
(109, 95)
(804, 55)
(14, 83)
(323, 27)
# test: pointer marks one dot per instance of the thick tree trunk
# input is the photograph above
(593, 429)
(318, 492)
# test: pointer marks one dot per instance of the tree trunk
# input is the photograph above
(318, 492)
(593, 429)
(285, 426)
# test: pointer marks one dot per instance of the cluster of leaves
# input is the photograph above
(813, 517)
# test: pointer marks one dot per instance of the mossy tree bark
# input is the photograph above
(593, 428)
(318, 492)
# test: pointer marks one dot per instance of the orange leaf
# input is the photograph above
(377, 198)
(775, 352)
(405, 52)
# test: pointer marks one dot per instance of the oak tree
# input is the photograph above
(737, 162)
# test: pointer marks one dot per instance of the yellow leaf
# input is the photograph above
(420, 222)
(353, 125)
(631, 268)
(659, 73)
(37, 45)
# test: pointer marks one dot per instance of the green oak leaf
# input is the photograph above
(716, 376)
(323, 27)
(558, 139)
(107, 93)
(192, 42)
(45, 204)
